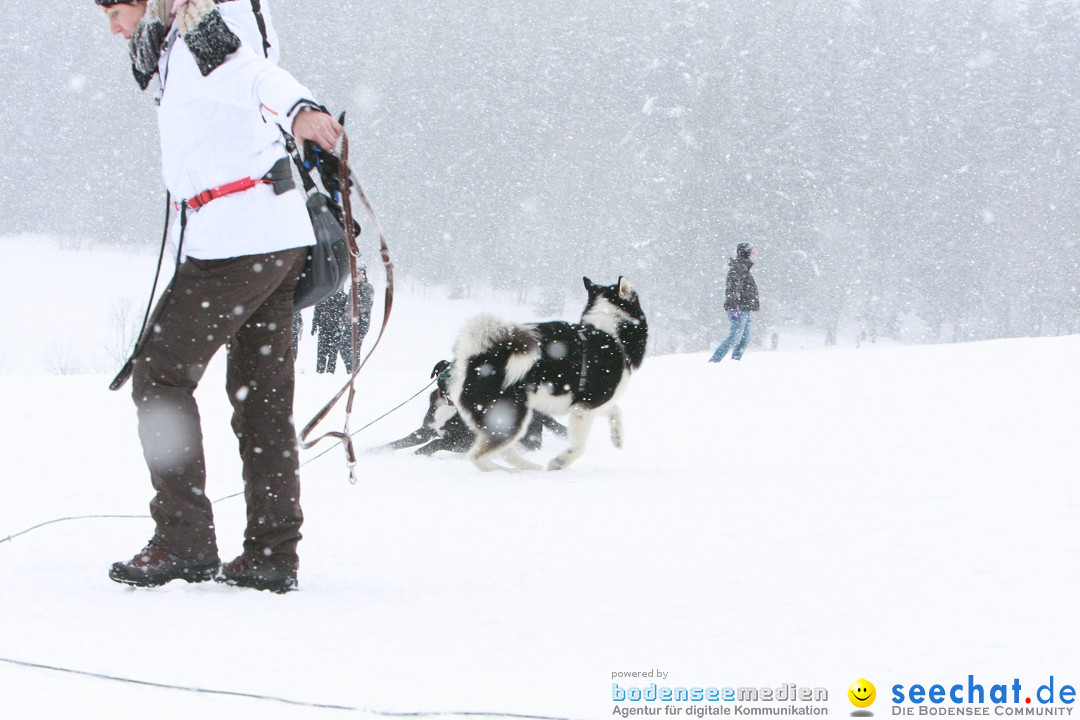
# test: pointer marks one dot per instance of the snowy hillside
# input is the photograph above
(810, 517)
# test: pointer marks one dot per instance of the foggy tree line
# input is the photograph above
(906, 170)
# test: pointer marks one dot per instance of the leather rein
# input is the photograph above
(348, 182)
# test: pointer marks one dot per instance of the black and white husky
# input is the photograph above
(503, 371)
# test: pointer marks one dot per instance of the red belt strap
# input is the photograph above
(222, 190)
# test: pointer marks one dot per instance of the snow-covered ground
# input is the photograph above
(903, 514)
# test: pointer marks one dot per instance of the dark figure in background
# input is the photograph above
(297, 331)
(331, 315)
(332, 323)
(740, 299)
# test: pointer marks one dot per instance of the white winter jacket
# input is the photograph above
(224, 127)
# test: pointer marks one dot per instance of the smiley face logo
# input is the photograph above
(862, 693)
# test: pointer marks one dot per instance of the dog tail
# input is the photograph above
(491, 358)
(510, 349)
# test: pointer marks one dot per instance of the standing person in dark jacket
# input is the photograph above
(333, 322)
(330, 319)
(740, 299)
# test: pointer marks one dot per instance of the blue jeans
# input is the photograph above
(739, 336)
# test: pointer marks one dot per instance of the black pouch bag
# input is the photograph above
(327, 265)
(328, 260)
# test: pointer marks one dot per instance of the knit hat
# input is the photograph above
(743, 250)
(110, 3)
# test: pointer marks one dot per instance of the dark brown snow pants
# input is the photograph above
(245, 303)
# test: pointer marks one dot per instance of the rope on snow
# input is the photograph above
(274, 698)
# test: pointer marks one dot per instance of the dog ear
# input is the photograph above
(625, 291)
(590, 286)
(439, 367)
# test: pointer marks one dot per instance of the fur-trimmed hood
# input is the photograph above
(200, 26)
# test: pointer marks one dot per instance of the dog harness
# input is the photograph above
(585, 355)
(584, 359)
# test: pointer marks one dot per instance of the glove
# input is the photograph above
(734, 315)
(329, 167)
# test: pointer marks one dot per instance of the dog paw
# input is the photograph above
(561, 462)
(485, 465)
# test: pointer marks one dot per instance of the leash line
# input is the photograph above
(275, 698)
(349, 182)
(365, 427)
(168, 686)
(66, 519)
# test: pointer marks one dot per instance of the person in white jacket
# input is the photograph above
(242, 243)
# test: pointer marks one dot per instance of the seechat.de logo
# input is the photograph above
(862, 695)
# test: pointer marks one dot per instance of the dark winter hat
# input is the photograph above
(110, 3)
(743, 250)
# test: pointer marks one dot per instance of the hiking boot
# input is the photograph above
(154, 566)
(250, 572)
